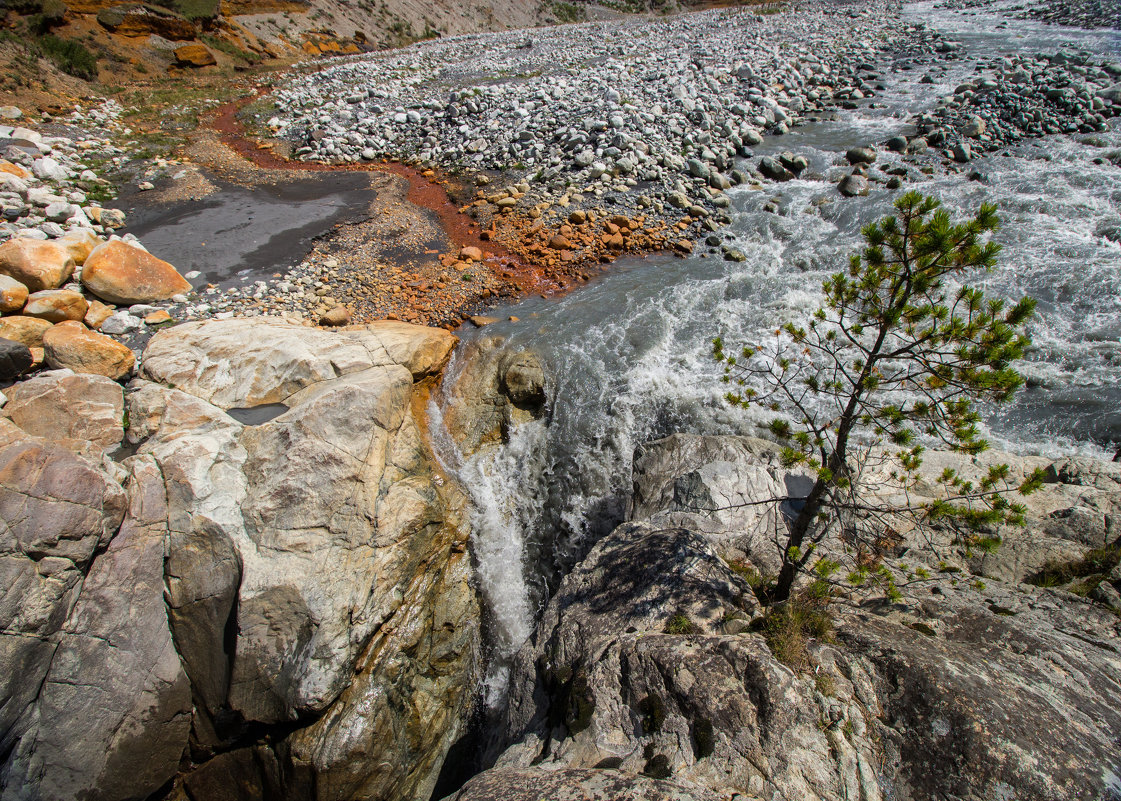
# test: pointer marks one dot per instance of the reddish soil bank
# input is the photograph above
(521, 255)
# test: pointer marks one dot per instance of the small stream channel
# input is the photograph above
(241, 234)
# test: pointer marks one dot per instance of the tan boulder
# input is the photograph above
(71, 344)
(36, 264)
(97, 313)
(80, 243)
(335, 317)
(119, 273)
(65, 405)
(471, 253)
(194, 55)
(27, 330)
(56, 305)
(13, 294)
(247, 362)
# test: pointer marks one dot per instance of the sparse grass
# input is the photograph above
(760, 583)
(790, 627)
(71, 56)
(1092, 568)
(680, 624)
(568, 12)
(99, 193)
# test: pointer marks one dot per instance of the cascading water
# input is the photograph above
(504, 507)
(630, 354)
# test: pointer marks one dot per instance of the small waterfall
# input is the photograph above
(500, 482)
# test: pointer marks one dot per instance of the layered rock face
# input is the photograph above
(649, 671)
(272, 610)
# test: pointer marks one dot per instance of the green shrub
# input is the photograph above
(568, 12)
(1093, 567)
(679, 624)
(51, 14)
(653, 711)
(789, 628)
(72, 57)
(25, 6)
(760, 583)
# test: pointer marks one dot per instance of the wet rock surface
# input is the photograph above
(1078, 13)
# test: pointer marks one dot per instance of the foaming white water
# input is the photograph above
(500, 483)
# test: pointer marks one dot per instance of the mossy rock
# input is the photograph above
(111, 18)
(657, 767)
(704, 738)
(573, 702)
(653, 711)
(581, 703)
(141, 19)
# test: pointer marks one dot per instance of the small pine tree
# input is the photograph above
(894, 354)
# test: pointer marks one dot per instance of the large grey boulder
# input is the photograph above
(329, 536)
(647, 663)
(113, 714)
(56, 510)
(942, 695)
(998, 690)
(302, 584)
(608, 681)
(716, 485)
(572, 784)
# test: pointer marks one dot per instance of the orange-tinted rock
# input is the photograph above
(194, 55)
(80, 243)
(97, 313)
(14, 169)
(122, 274)
(28, 330)
(13, 294)
(36, 264)
(471, 254)
(72, 345)
(335, 317)
(56, 305)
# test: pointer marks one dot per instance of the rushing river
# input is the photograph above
(629, 356)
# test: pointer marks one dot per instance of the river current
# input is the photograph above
(629, 355)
